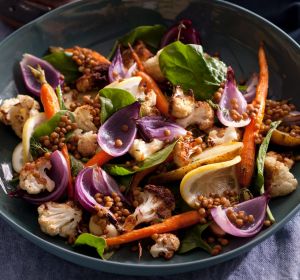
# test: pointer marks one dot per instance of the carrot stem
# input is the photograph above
(162, 103)
(100, 158)
(246, 167)
(136, 58)
(180, 221)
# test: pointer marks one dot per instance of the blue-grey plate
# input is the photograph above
(225, 28)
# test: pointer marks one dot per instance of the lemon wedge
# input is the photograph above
(131, 85)
(210, 178)
(215, 154)
(28, 130)
(17, 158)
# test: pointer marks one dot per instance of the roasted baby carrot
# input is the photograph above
(136, 58)
(245, 168)
(162, 103)
(100, 158)
(179, 221)
(65, 153)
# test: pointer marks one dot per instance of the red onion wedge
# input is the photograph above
(157, 127)
(105, 184)
(53, 77)
(182, 31)
(59, 174)
(256, 207)
(226, 104)
(117, 134)
(250, 91)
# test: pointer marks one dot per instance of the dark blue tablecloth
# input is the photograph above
(276, 258)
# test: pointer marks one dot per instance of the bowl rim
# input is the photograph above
(164, 268)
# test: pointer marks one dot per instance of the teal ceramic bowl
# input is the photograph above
(232, 31)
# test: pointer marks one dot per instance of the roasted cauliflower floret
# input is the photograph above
(202, 115)
(87, 144)
(140, 150)
(16, 111)
(33, 177)
(102, 227)
(59, 218)
(218, 136)
(84, 118)
(166, 245)
(153, 69)
(181, 105)
(157, 203)
(148, 105)
(279, 180)
(185, 148)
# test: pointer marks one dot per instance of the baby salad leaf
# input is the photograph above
(113, 99)
(261, 156)
(154, 159)
(64, 64)
(149, 34)
(91, 240)
(189, 67)
(193, 239)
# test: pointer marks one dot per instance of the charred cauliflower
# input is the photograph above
(84, 118)
(16, 111)
(181, 105)
(101, 227)
(202, 115)
(218, 136)
(33, 177)
(157, 203)
(87, 144)
(279, 180)
(59, 218)
(148, 107)
(140, 150)
(166, 245)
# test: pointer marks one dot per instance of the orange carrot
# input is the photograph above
(245, 168)
(180, 221)
(136, 58)
(162, 103)
(100, 158)
(65, 153)
(49, 100)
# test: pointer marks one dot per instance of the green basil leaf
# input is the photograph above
(46, 128)
(261, 156)
(91, 240)
(193, 239)
(64, 64)
(76, 166)
(154, 159)
(60, 98)
(150, 34)
(189, 67)
(113, 99)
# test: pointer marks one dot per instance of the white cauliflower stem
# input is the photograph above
(220, 136)
(16, 111)
(33, 177)
(153, 69)
(181, 105)
(87, 144)
(101, 227)
(279, 180)
(166, 245)
(84, 118)
(59, 218)
(140, 150)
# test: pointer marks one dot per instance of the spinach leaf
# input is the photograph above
(193, 239)
(47, 127)
(154, 159)
(60, 98)
(113, 99)
(189, 67)
(91, 240)
(64, 64)
(261, 156)
(149, 34)
(76, 166)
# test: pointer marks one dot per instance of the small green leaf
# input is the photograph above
(91, 240)
(64, 64)
(113, 99)
(46, 128)
(189, 67)
(193, 239)
(60, 98)
(154, 159)
(150, 34)
(76, 166)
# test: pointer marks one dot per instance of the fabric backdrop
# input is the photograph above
(278, 257)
